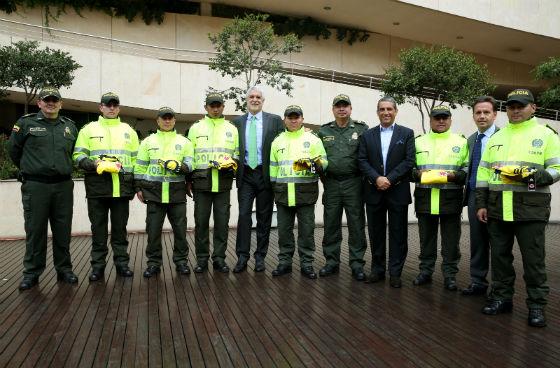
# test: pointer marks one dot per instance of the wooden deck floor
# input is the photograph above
(259, 321)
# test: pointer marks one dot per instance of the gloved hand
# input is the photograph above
(225, 163)
(433, 177)
(513, 173)
(108, 164)
(171, 165)
(317, 165)
(302, 164)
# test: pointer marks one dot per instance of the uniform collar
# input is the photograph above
(164, 134)
(105, 121)
(349, 125)
(42, 117)
(440, 135)
(221, 119)
(523, 124)
(297, 133)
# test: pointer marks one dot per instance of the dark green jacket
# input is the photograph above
(42, 147)
(341, 145)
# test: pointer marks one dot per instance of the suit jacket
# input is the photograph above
(272, 126)
(470, 142)
(401, 157)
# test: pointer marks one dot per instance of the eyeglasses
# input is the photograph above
(50, 99)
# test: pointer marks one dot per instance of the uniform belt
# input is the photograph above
(46, 179)
(343, 177)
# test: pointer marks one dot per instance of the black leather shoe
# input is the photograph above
(450, 284)
(475, 289)
(151, 271)
(95, 276)
(536, 317)
(28, 282)
(124, 271)
(183, 269)
(422, 279)
(201, 267)
(375, 277)
(68, 277)
(494, 307)
(259, 266)
(328, 270)
(220, 267)
(282, 270)
(240, 266)
(395, 282)
(358, 274)
(309, 272)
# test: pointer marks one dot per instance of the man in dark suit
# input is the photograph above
(385, 157)
(484, 115)
(257, 130)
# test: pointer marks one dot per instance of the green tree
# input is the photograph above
(549, 71)
(30, 68)
(427, 75)
(247, 49)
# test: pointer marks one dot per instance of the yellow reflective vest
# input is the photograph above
(158, 184)
(522, 144)
(114, 138)
(292, 188)
(212, 140)
(440, 151)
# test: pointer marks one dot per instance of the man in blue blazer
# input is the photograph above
(485, 111)
(257, 130)
(386, 156)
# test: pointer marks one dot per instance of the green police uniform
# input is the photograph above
(440, 203)
(108, 192)
(212, 139)
(42, 149)
(164, 191)
(295, 193)
(517, 210)
(343, 190)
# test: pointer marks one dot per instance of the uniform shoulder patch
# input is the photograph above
(15, 128)
(551, 128)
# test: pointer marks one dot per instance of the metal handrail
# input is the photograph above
(178, 54)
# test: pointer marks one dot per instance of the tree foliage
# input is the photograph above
(549, 71)
(426, 75)
(26, 66)
(247, 49)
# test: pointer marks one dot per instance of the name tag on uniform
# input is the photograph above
(329, 138)
(37, 129)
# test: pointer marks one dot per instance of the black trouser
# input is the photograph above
(98, 212)
(219, 204)
(155, 216)
(44, 203)
(480, 244)
(530, 236)
(253, 188)
(450, 236)
(398, 236)
(306, 228)
(344, 195)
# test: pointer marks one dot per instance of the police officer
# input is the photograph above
(297, 158)
(440, 172)
(343, 190)
(518, 165)
(41, 147)
(106, 150)
(164, 158)
(216, 151)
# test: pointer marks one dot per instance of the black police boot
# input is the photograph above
(328, 270)
(151, 271)
(96, 275)
(494, 307)
(309, 272)
(536, 317)
(124, 271)
(28, 282)
(68, 277)
(450, 284)
(422, 279)
(183, 269)
(282, 270)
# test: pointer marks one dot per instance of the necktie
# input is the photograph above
(252, 160)
(475, 160)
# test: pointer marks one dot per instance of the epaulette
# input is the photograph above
(359, 122)
(329, 123)
(28, 115)
(67, 119)
(551, 128)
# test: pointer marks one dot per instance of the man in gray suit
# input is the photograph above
(257, 130)
(484, 115)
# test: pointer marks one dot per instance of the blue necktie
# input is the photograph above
(475, 160)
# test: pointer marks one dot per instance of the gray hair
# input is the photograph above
(387, 99)
(256, 89)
